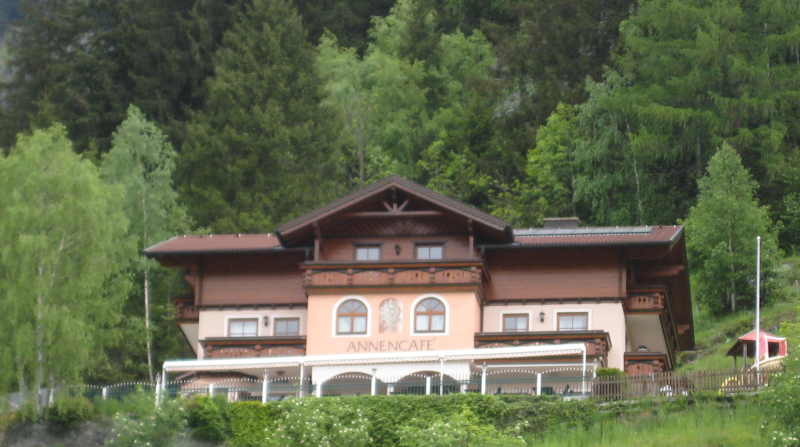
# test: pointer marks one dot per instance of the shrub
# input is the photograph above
(210, 418)
(326, 422)
(69, 411)
(609, 372)
(461, 429)
(782, 398)
(249, 422)
(163, 428)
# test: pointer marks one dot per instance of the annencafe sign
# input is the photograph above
(390, 346)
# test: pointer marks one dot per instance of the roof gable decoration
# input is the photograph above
(396, 198)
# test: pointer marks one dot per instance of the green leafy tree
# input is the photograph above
(415, 104)
(721, 235)
(548, 188)
(141, 162)
(252, 152)
(63, 244)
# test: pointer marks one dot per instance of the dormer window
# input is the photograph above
(368, 253)
(430, 251)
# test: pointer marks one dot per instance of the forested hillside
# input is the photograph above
(237, 115)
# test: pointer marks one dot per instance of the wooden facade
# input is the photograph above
(623, 279)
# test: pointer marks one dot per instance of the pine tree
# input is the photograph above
(259, 152)
(691, 75)
(721, 235)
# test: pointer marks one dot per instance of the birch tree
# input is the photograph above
(141, 163)
(721, 236)
(62, 242)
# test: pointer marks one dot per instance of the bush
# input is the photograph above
(163, 428)
(782, 398)
(461, 429)
(210, 418)
(326, 422)
(69, 411)
(249, 422)
(609, 372)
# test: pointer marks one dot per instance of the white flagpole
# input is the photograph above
(758, 303)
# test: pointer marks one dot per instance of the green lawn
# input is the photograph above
(707, 425)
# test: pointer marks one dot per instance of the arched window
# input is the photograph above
(429, 316)
(351, 318)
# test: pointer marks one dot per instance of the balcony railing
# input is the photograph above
(185, 310)
(597, 342)
(644, 302)
(339, 275)
(645, 362)
(246, 347)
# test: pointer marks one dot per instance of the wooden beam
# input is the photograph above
(660, 270)
(362, 214)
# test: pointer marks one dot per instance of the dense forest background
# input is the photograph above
(259, 110)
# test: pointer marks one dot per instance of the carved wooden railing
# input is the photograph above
(185, 310)
(402, 274)
(246, 347)
(644, 302)
(645, 362)
(597, 342)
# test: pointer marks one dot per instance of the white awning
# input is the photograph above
(377, 358)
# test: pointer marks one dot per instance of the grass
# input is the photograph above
(704, 425)
(714, 336)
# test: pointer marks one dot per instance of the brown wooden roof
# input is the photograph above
(594, 236)
(301, 228)
(215, 243)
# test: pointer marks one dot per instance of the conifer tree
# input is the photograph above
(259, 152)
(721, 235)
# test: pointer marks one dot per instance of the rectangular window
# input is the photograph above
(368, 253)
(287, 326)
(243, 327)
(515, 323)
(430, 251)
(573, 321)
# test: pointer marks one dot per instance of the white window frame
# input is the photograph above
(572, 311)
(258, 319)
(529, 313)
(335, 319)
(413, 318)
(300, 324)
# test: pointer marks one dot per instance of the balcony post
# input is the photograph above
(302, 378)
(319, 389)
(265, 387)
(538, 384)
(428, 385)
(373, 382)
(583, 376)
(441, 376)
(483, 379)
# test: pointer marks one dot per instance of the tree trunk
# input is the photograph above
(148, 337)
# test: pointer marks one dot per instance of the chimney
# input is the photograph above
(552, 223)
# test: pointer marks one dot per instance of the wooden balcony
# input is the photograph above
(185, 311)
(644, 302)
(405, 274)
(247, 347)
(597, 342)
(645, 362)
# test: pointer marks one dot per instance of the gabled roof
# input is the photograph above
(215, 243)
(304, 224)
